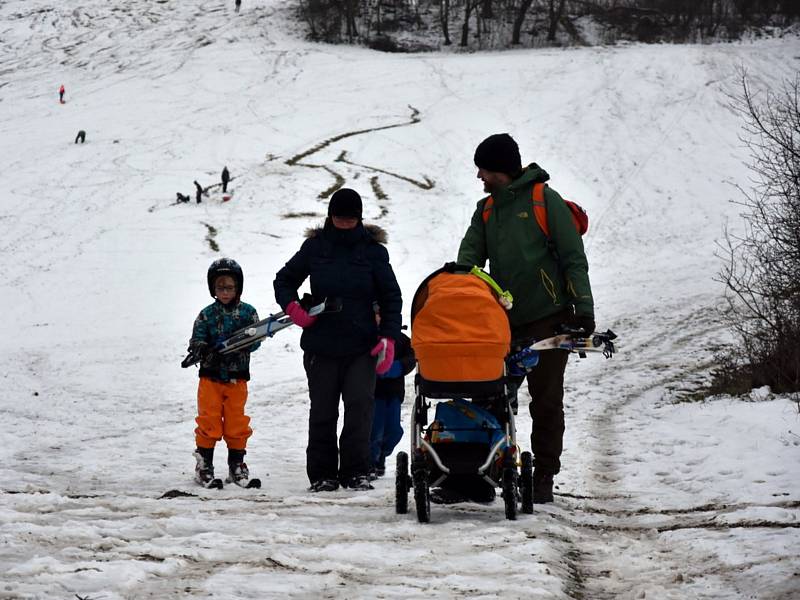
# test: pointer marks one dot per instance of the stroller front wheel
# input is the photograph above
(422, 498)
(422, 495)
(510, 492)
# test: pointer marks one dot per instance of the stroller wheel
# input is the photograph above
(422, 495)
(526, 483)
(422, 498)
(401, 484)
(510, 492)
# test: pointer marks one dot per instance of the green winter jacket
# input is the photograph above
(519, 258)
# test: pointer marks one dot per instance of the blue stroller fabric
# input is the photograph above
(461, 421)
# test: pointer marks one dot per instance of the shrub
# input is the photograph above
(762, 265)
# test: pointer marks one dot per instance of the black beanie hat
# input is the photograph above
(500, 153)
(345, 203)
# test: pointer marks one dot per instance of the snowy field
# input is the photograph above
(103, 275)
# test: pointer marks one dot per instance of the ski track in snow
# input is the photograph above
(103, 274)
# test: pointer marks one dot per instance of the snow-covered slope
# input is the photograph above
(103, 275)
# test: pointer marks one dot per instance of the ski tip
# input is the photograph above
(254, 484)
(216, 484)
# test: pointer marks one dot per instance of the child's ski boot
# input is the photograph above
(238, 472)
(204, 471)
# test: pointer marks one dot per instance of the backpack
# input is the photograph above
(579, 217)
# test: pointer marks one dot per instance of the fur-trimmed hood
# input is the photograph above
(376, 232)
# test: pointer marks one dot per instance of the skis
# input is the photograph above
(579, 342)
(249, 484)
(525, 359)
(214, 484)
(217, 483)
(263, 329)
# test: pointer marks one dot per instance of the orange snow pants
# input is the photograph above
(220, 414)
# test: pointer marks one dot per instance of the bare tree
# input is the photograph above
(519, 19)
(379, 23)
(555, 12)
(762, 265)
(469, 6)
(444, 18)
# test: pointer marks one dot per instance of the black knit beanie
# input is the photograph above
(345, 203)
(500, 153)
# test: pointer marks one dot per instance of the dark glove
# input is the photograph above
(200, 349)
(586, 323)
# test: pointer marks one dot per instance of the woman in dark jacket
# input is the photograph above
(342, 351)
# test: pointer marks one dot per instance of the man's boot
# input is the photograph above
(542, 487)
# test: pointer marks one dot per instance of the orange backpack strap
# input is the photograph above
(540, 207)
(487, 209)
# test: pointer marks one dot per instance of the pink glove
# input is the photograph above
(298, 315)
(384, 350)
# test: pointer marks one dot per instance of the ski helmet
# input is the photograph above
(225, 266)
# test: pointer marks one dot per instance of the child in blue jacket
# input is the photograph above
(390, 390)
(222, 390)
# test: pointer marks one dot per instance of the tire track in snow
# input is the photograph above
(328, 547)
(604, 526)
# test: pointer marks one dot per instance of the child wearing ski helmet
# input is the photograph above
(222, 391)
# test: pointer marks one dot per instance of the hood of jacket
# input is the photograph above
(374, 232)
(533, 173)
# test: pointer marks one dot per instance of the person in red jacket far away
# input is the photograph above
(61, 94)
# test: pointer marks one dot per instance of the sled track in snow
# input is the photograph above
(340, 180)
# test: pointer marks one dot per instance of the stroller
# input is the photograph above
(461, 337)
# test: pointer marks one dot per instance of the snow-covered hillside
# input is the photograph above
(103, 275)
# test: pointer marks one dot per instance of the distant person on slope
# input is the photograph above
(61, 94)
(226, 177)
(547, 275)
(198, 191)
(343, 351)
(222, 391)
(81, 137)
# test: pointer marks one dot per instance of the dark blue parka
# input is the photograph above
(351, 264)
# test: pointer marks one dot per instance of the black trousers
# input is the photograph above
(546, 386)
(351, 378)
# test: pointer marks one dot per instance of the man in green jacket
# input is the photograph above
(548, 277)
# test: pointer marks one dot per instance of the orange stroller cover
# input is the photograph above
(459, 331)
